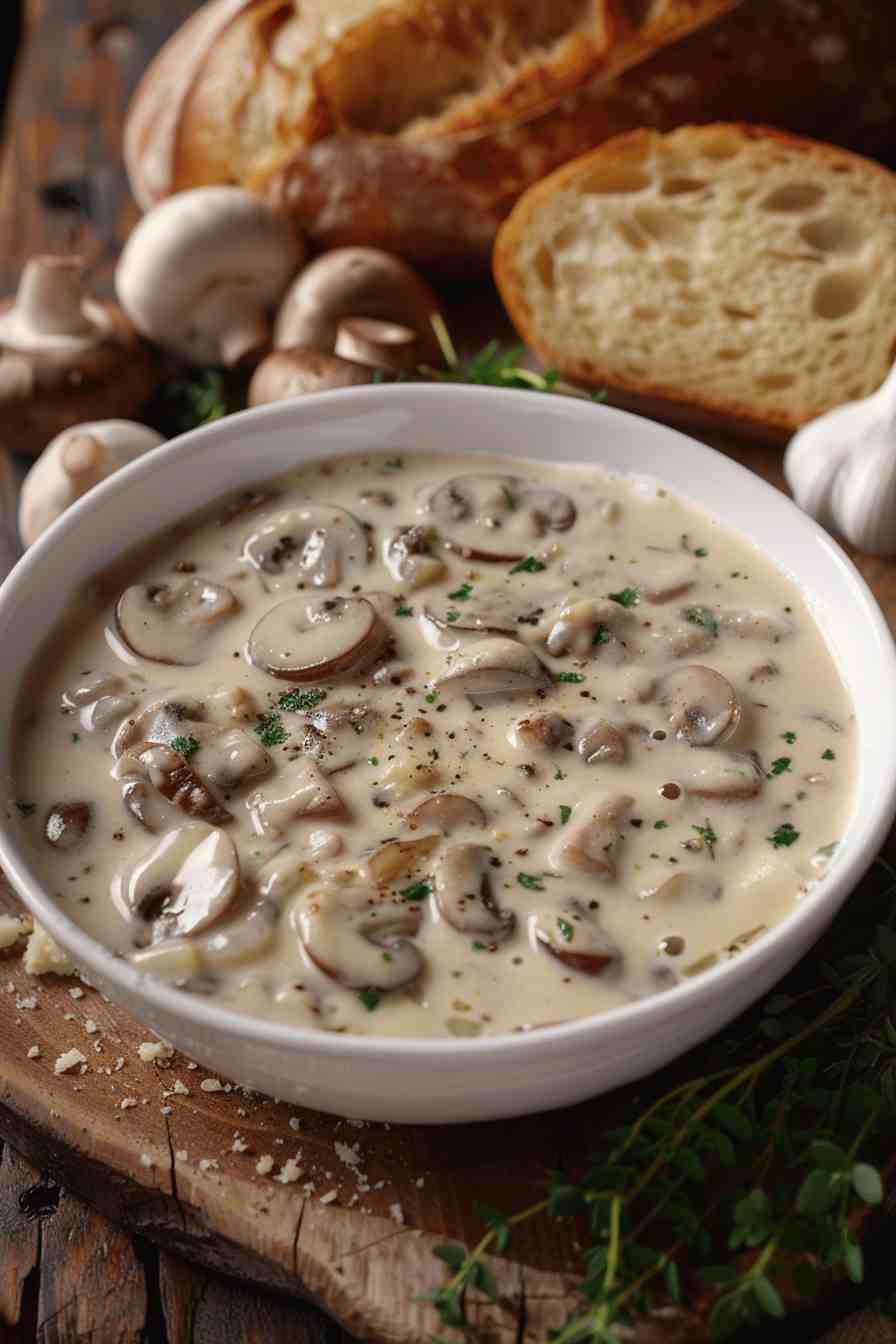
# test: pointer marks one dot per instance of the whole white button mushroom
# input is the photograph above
(202, 272)
(73, 463)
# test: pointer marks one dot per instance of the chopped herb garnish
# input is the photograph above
(660, 825)
(452, 615)
(828, 755)
(26, 809)
(573, 678)
(789, 738)
(370, 999)
(417, 891)
(783, 835)
(404, 610)
(509, 496)
(387, 956)
(528, 566)
(462, 593)
(529, 881)
(558, 774)
(703, 616)
(708, 836)
(373, 760)
(393, 464)
(627, 597)
(76, 737)
(565, 813)
(431, 698)
(295, 701)
(702, 552)
(185, 746)
(270, 730)
(780, 766)
(479, 947)
(566, 929)
(601, 635)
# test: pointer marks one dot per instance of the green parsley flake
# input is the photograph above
(370, 999)
(509, 496)
(565, 813)
(270, 730)
(529, 881)
(373, 760)
(783, 836)
(627, 597)
(789, 738)
(660, 825)
(479, 947)
(404, 610)
(462, 593)
(452, 615)
(26, 809)
(708, 836)
(185, 746)
(431, 698)
(702, 552)
(601, 636)
(703, 616)
(528, 566)
(573, 678)
(296, 701)
(780, 766)
(76, 737)
(566, 929)
(417, 891)
(387, 956)
(828, 755)
(393, 464)
(558, 774)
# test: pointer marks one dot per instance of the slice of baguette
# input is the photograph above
(726, 274)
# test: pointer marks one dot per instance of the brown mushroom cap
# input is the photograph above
(447, 813)
(285, 374)
(464, 894)
(588, 841)
(345, 930)
(319, 640)
(172, 623)
(67, 824)
(319, 543)
(497, 518)
(397, 858)
(702, 705)
(185, 881)
(722, 774)
(175, 779)
(603, 743)
(65, 358)
(494, 666)
(572, 935)
(352, 282)
(541, 732)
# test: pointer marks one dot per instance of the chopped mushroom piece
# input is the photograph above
(337, 735)
(346, 930)
(603, 744)
(762, 625)
(396, 858)
(541, 732)
(588, 842)
(590, 628)
(407, 554)
(297, 793)
(67, 824)
(447, 813)
(695, 888)
(702, 705)
(173, 623)
(572, 934)
(722, 774)
(497, 518)
(381, 345)
(410, 766)
(182, 884)
(248, 934)
(669, 577)
(494, 666)
(464, 893)
(295, 372)
(320, 544)
(169, 772)
(158, 723)
(318, 640)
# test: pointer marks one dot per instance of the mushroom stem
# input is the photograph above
(384, 345)
(246, 339)
(82, 457)
(50, 296)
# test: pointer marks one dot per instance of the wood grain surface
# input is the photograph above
(175, 1166)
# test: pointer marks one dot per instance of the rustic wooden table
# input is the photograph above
(68, 1274)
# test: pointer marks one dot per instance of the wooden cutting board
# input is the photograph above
(161, 1148)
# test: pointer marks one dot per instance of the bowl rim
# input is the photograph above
(828, 892)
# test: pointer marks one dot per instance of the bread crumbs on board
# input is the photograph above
(70, 1060)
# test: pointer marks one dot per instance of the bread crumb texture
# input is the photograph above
(732, 268)
(43, 956)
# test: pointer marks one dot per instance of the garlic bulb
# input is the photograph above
(842, 469)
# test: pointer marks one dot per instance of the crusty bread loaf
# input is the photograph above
(729, 271)
(307, 101)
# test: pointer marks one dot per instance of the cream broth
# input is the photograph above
(419, 746)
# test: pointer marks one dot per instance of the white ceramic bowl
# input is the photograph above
(432, 1081)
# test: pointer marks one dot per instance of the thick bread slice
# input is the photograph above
(246, 83)
(732, 272)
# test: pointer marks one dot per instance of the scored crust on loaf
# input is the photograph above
(726, 269)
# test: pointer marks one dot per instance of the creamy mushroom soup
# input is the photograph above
(425, 747)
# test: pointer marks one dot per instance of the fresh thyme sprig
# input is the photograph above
(786, 1136)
